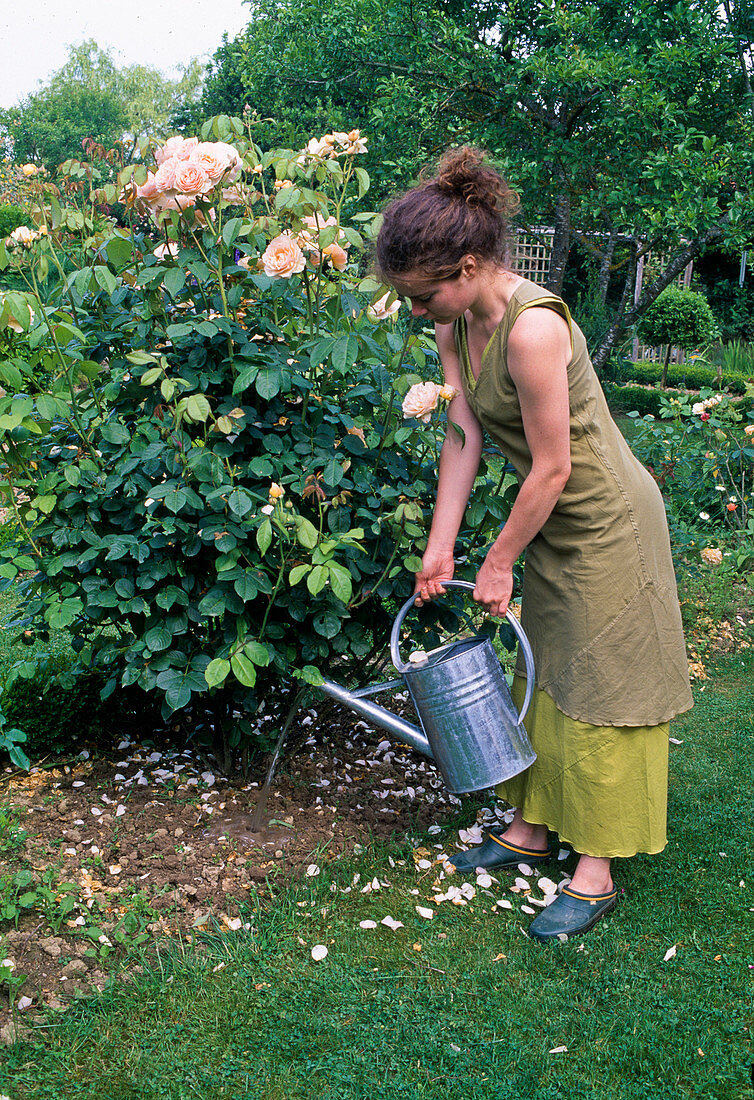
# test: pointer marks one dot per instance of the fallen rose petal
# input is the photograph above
(319, 952)
(528, 909)
(503, 903)
(558, 1050)
(525, 869)
(484, 881)
(367, 924)
(23, 1003)
(312, 870)
(670, 953)
(428, 914)
(389, 922)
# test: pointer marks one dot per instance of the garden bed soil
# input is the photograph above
(158, 844)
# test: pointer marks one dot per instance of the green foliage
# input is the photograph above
(632, 398)
(617, 122)
(736, 357)
(222, 492)
(11, 740)
(679, 317)
(693, 375)
(702, 457)
(11, 216)
(59, 712)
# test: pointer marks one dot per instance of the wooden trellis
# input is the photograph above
(531, 253)
(641, 352)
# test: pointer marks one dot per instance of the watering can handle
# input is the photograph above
(517, 630)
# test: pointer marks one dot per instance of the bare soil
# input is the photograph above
(157, 844)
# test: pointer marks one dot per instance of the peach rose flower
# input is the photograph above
(190, 179)
(283, 258)
(23, 235)
(712, 557)
(233, 161)
(749, 429)
(276, 491)
(176, 147)
(338, 256)
(280, 185)
(380, 310)
(148, 191)
(447, 393)
(164, 177)
(29, 169)
(212, 162)
(421, 401)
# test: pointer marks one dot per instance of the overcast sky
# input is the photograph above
(35, 34)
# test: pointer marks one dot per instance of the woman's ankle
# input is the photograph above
(525, 835)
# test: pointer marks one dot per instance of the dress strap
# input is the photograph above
(462, 347)
(548, 301)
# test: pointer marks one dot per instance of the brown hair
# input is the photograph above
(463, 210)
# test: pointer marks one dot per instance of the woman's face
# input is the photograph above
(439, 300)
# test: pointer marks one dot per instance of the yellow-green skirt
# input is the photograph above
(602, 789)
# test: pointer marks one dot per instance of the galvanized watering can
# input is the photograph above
(470, 726)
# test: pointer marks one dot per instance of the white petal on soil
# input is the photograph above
(528, 909)
(522, 884)
(423, 864)
(367, 924)
(674, 741)
(484, 881)
(96, 811)
(670, 953)
(468, 891)
(120, 811)
(559, 1050)
(428, 914)
(434, 829)
(319, 952)
(470, 836)
(546, 885)
(23, 1003)
(312, 870)
(564, 853)
(234, 923)
(525, 869)
(503, 903)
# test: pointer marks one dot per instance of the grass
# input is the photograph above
(463, 1005)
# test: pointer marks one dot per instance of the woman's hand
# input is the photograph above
(437, 566)
(494, 587)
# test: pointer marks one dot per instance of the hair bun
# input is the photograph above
(464, 174)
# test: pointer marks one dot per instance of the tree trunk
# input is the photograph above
(561, 244)
(664, 379)
(626, 315)
(603, 281)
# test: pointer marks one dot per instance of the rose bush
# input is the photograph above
(218, 491)
(701, 454)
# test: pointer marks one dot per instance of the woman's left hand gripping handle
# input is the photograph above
(436, 568)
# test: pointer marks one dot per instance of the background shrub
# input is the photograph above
(11, 216)
(678, 318)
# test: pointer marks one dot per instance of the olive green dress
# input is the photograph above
(600, 609)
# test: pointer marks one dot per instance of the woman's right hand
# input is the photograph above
(436, 568)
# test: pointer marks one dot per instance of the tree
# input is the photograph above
(89, 97)
(623, 124)
(678, 318)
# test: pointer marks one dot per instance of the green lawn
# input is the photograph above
(479, 1009)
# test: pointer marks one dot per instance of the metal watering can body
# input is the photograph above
(470, 725)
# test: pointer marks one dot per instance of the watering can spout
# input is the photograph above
(405, 731)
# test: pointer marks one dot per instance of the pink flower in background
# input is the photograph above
(421, 401)
(283, 258)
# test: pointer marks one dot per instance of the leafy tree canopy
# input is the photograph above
(626, 125)
(90, 97)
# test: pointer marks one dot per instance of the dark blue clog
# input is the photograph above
(495, 853)
(571, 914)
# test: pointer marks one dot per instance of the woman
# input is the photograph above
(599, 599)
